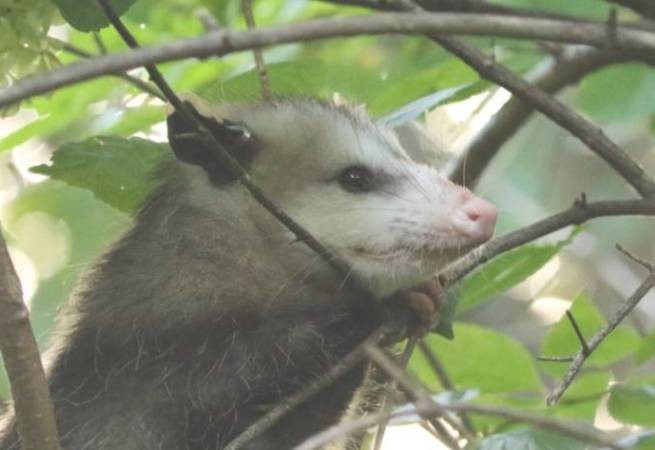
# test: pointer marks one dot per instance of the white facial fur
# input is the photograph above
(394, 235)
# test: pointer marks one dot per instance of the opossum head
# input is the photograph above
(349, 182)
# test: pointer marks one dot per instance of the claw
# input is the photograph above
(425, 300)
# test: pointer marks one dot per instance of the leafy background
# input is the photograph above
(108, 136)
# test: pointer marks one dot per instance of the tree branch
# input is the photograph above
(567, 70)
(592, 344)
(223, 42)
(34, 413)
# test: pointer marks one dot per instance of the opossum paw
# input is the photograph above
(425, 301)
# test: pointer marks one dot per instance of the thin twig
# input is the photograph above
(223, 42)
(642, 262)
(619, 315)
(262, 74)
(447, 384)
(102, 48)
(578, 333)
(34, 412)
(555, 358)
(208, 20)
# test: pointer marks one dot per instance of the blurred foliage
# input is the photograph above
(88, 15)
(105, 132)
(25, 48)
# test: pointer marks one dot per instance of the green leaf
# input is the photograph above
(561, 340)
(633, 404)
(381, 94)
(646, 349)
(505, 272)
(116, 170)
(591, 9)
(622, 93)
(404, 88)
(445, 325)
(86, 15)
(528, 439)
(138, 119)
(481, 358)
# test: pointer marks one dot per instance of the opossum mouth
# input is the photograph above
(378, 255)
(424, 253)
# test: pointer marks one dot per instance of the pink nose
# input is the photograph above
(475, 218)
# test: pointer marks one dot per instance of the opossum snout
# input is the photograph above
(474, 217)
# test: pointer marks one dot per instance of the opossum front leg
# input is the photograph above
(424, 301)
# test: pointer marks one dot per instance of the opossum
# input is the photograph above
(209, 312)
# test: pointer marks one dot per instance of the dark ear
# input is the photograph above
(194, 147)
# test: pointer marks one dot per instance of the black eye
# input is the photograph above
(356, 179)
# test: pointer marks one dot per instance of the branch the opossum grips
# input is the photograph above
(578, 213)
(34, 412)
(592, 344)
(222, 42)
